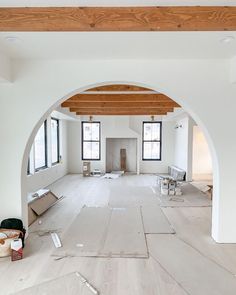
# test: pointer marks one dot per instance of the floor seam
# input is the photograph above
(209, 258)
(179, 284)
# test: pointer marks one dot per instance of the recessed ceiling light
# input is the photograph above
(12, 39)
(228, 39)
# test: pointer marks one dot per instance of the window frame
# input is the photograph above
(160, 141)
(28, 167)
(82, 140)
(37, 169)
(58, 141)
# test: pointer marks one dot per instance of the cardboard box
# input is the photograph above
(86, 169)
(172, 185)
(16, 249)
(164, 185)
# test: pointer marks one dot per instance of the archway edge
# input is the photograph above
(168, 92)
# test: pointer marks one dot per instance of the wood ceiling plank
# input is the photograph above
(118, 87)
(122, 111)
(117, 98)
(172, 18)
(99, 105)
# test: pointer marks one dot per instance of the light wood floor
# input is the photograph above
(115, 276)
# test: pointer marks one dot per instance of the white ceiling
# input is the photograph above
(50, 3)
(118, 45)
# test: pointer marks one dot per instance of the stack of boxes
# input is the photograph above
(165, 186)
(170, 187)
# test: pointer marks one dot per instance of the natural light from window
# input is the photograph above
(91, 140)
(151, 140)
(40, 148)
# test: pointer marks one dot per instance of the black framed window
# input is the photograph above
(55, 140)
(91, 141)
(152, 134)
(40, 147)
(28, 167)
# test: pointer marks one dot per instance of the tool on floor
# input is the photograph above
(56, 240)
(84, 281)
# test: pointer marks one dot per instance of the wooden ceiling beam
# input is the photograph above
(117, 98)
(138, 113)
(118, 87)
(128, 105)
(122, 111)
(169, 18)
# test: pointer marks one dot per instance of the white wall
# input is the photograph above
(183, 145)
(43, 178)
(121, 127)
(196, 84)
(111, 127)
(168, 145)
(113, 147)
(202, 163)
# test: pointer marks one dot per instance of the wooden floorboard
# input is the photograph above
(70, 284)
(105, 232)
(126, 276)
(155, 221)
(196, 273)
(191, 197)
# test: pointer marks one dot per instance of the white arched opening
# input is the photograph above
(184, 104)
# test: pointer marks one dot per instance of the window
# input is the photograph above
(28, 166)
(40, 147)
(55, 144)
(152, 141)
(90, 140)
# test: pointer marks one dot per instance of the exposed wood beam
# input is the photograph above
(128, 105)
(118, 87)
(185, 18)
(123, 111)
(120, 92)
(117, 98)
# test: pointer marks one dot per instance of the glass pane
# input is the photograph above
(155, 131)
(40, 148)
(54, 140)
(87, 150)
(147, 131)
(95, 150)
(95, 131)
(147, 150)
(151, 131)
(151, 151)
(87, 131)
(155, 150)
(91, 131)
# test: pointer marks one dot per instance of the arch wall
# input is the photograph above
(201, 87)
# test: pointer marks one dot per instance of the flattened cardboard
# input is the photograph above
(31, 215)
(40, 205)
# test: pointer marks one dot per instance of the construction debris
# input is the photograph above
(46, 232)
(113, 175)
(110, 176)
(56, 240)
(84, 281)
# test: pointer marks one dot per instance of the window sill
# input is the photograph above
(156, 160)
(55, 164)
(41, 169)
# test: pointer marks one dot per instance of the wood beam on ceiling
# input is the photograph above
(123, 111)
(128, 105)
(171, 18)
(157, 98)
(117, 87)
